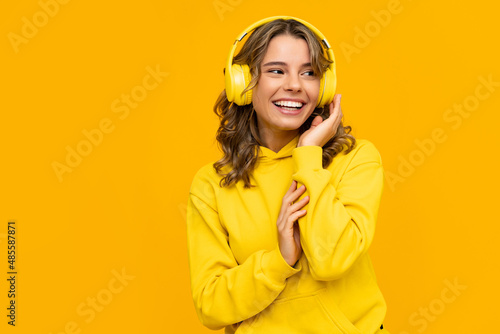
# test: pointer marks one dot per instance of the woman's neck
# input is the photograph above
(276, 140)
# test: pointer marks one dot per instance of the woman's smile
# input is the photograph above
(289, 106)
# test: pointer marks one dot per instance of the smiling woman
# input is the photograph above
(239, 130)
(279, 228)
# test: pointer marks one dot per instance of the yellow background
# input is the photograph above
(122, 208)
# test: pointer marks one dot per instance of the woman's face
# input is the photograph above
(287, 91)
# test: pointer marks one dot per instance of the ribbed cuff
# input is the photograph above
(275, 267)
(307, 157)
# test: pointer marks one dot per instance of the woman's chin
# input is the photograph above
(290, 126)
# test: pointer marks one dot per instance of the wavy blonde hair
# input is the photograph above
(238, 133)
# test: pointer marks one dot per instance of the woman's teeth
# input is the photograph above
(288, 105)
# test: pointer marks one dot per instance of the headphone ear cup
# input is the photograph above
(327, 88)
(228, 78)
(241, 79)
(248, 78)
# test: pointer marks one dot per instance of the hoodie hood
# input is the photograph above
(268, 155)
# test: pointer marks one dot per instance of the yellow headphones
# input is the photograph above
(237, 76)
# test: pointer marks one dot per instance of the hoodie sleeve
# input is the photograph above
(225, 292)
(340, 222)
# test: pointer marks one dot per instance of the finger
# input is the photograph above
(290, 190)
(289, 197)
(295, 216)
(335, 117)
(317, 121)
(337, 99)
(293, 219)
(300, 204)
(296, 194)
(335, 105)
(286, 202)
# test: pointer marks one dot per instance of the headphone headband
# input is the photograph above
(243, 74)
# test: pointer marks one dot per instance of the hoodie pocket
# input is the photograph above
(303, 314)
(336, 315)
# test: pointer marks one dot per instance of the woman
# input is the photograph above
(279, 228)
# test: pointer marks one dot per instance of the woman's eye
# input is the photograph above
(276, 71)
(310, 73)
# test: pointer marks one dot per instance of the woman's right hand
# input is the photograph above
(288, 229)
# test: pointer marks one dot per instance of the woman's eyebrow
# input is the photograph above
(280, 63)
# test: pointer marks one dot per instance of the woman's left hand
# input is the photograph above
(321, 131)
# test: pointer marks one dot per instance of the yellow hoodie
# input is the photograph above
(239, 279)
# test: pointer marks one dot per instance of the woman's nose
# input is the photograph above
(292, 83)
